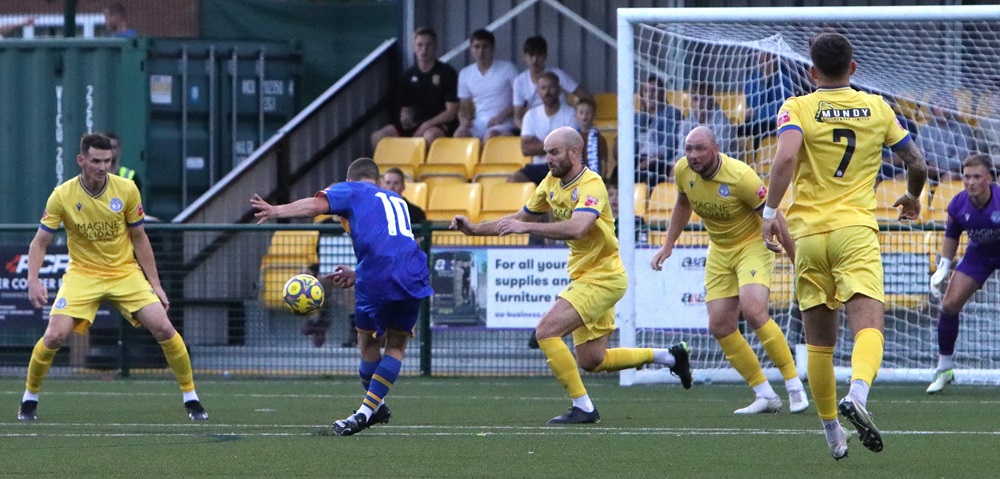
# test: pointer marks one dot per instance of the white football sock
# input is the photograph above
(584, 403)
(663, 356)
(946, 362)
(764, 390)
(191, 396)
(29, 396)
(859, 392)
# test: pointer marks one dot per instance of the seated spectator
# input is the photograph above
(538, 123)
(595, 146)
(706, 112)
(945, 142)
(766, 89)
(428, 96)
(394, 180)
(116, 22)
(656, 133)
(485, 92)
(536, 52)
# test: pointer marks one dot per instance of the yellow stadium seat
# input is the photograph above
(451, 156)
(886, 193)
(782, 280)
(606, 117)
(289, 253)
(272, 284)
(501, 157)
(681, 100)
(936, 208)
(432, 181)
(764, 155)
(661, 203)
(447, 200)
(502, 199)
(407, 154)
(416, 193)
(734, 103)
(639, 196)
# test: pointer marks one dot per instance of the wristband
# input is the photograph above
(910, 195)
(944, 264)
(769, 213)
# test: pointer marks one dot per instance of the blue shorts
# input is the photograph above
(378, 316)
(977, 265)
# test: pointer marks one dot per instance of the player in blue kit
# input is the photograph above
(976, 211)
(391, 280)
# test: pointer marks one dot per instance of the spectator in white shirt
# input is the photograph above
(538, 123)
(485, 91)
(536, 52)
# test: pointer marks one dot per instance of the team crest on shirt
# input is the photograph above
(575, 195)
(724, 191)
(116, 205)
(762, 192)
(995, 217)
(783, 117)
(60, 303)
(436, 80)
(414, 79)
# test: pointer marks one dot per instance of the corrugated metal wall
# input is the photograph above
(572, 48)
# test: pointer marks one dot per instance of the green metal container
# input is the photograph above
(54, 91)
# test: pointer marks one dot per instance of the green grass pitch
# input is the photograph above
(478, 427)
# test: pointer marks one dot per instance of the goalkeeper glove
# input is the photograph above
(938, 277)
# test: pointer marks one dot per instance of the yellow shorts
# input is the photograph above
(594, 298)
(832, 267)
(727, 269)
(80, 296)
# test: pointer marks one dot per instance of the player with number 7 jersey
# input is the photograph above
(391, 281)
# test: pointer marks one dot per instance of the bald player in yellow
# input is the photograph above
(729, 197)
(578, 201)
(830, 150)
(103, 217)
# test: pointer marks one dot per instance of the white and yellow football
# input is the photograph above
(303, 294)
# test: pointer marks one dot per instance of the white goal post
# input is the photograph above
(937, 66)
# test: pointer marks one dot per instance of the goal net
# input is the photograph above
(731, 69)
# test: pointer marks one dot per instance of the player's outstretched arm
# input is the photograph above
(679, 218)
(948, 248)
(144, 255)
(38, 294)
(487, 228)
(916, 176)
(304, 208)
(572, 229)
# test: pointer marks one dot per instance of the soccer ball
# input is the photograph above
(303, 294)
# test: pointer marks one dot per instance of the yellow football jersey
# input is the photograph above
(96, 225)
(727, 202)
(843, 131)
(597, 252)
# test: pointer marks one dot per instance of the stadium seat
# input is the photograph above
(416, 193)
(639, 199)
(288, 254)
(681, 100)
(764, 155)
(936, 207)
(907, 257)
(886, 193)
(734, 103)
(661, 204)
(502, 199)
(407, 154)
(451, 157)
(782, 280)
(447, 200)
(501, 157)
(606, 117)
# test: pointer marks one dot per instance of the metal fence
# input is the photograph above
(224, 283)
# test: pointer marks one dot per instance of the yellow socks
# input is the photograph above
(179, 361)
(563, 365)
(38, 367)
(777, 349)
(822, 381)
(623, 358)
(741, 356)
(867, 355)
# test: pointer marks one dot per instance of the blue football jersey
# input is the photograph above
(391, 266)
